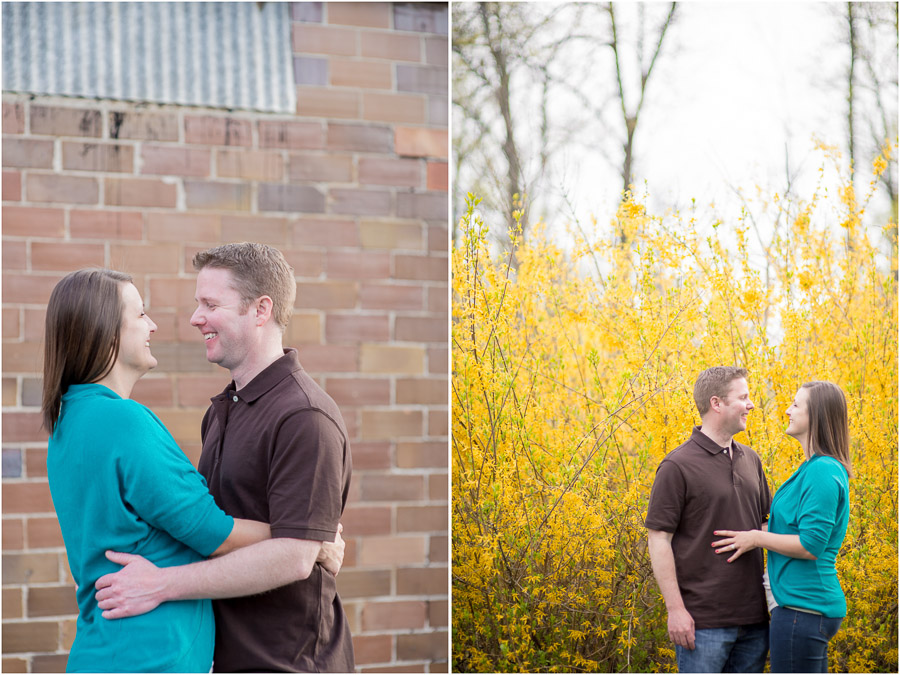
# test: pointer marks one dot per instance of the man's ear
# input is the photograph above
(264, 306)
(714, 403)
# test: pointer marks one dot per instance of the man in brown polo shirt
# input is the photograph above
(275, 449)
(717, 610)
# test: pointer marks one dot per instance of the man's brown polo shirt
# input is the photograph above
(700, 489)
(277, 451)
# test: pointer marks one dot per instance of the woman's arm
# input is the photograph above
(740, 542)
(244, 533)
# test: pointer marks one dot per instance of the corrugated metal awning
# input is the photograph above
(218, 54)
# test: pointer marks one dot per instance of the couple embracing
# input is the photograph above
(711, 514)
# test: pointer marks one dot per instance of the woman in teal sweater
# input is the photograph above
(119, 481)
(806, 528)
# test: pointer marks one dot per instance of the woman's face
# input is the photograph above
(798, 414)
(134, 339)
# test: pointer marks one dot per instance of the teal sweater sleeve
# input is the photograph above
(157, 481)
(817, 507)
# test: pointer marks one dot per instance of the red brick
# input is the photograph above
(422, 581)
(13, 606)
(28, 221)
(12, 186)
(438, 423)
(377, 551)
(438, 548)
(175, 161)
(27, 153)
(327, 102)
(140, 192)
(309, 39)
(10, 386)
(304, 329)
(326, 295)
(360, 138)
(394, 424)
(358, 265)
(362, 14)
(98, 157)
(393, 107)
(392, 359)
(56, 188)
(355, 328)
(437, 176)
(390, 45)
(169, 292)
(21, 568)
(421, 454)
(362, 74)
(421, 142)
(49, 663)
(438, 238)
(65, 257)
(422, 646)
(391, 488)
(427, 206)
(196, 390)
(28, 289)
(13, 118)
(404, 615)
(329, 168)
(143, 126)
(390, 297)
(106, 224)
(398, 172)
(329, 358)
(15, 665)
(13, 534)
(436, 51)
(390, 234)
(30, 497)
(11, 321)
(325, 233)
(366, 520)
(182, 227)
(210, 130)
(438, 360)
(372, 649)
(145, 258)
(359, 391)
(291, 135)
(292, 198)
(421, 329)
(21, 357)
(420, 268)
(15, 255)
(51, 121)
(267, 230)
(154, 392)
(371, 455)
(250, 164)
(438, 300)
(360, 202)
(363, 583)
(306, 263)
(51, 601)
(438, 487)
(422, 519)
(31, 396)
(30, 636)
(422, 391)
(43, 532)
(217, 196)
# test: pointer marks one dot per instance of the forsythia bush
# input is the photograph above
(572, 378)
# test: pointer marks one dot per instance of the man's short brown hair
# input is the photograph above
(258, 270)
(714, 382)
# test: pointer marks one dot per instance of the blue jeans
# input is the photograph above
(799, 641)
(736, 649)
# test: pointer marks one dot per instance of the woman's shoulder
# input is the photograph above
(820, 467)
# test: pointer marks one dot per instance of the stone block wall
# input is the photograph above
(353, 189)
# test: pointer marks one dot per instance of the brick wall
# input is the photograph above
(353, 189)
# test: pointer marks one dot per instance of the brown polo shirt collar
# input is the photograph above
(267, 379)
(711, 446)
